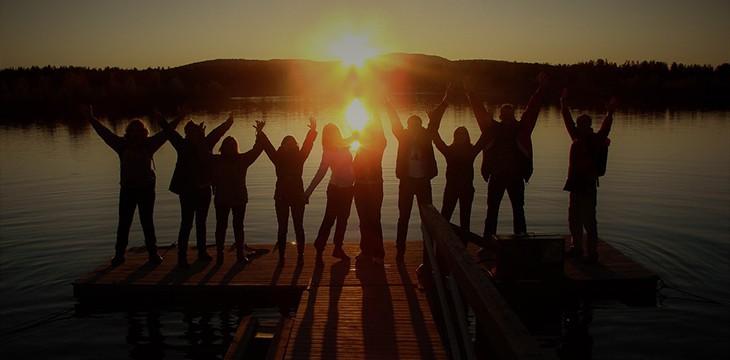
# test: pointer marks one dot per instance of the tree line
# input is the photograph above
(210, 85)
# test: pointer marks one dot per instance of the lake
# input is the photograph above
(665, 202)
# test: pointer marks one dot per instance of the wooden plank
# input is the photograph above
(244, 334)
(366, 321)
(277, 348)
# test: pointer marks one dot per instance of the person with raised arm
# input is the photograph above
(507, 161)
(137, 180)
(460, 156)
(288, 162)
(415, 166)
(585, 166)
(228, 176)
(191, 182)
(368, 167)
(336, 157)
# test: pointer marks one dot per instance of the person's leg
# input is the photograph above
(221, 226)
(360, 197)
(575, 225)
(202, 204)
(495, 192)
(376, 227)
(239, 231)
(344, 204)
(297, 214)
(423, 193)
(588, 215)
(449, 203)
(146, 203)
(516, 193)
(282, 218)
(328, 220)
(405, 205)
(127, 204)
(466, 198)
(187, 214)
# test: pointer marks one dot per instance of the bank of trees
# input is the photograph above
(211, 84)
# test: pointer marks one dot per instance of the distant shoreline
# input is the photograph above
(209, 85)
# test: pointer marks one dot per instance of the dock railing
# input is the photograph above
(460, 282)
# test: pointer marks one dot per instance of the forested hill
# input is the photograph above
(211, 84)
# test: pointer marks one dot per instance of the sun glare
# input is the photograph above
(356, 116)
(353, 49)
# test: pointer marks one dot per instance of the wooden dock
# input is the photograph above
(344, 309)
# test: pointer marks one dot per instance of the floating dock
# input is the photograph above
(343, 309)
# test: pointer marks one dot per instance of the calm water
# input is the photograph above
(665, 202)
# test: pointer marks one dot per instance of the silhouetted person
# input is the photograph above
(369, 190)
(289, 161)
(231, 196)
(583, 175)
(507, 161)
(191, 182)
(415, 166)
(137, 181)
(335, 156)
(459, 157)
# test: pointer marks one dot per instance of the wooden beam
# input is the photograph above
(244, 334)
(508, 335)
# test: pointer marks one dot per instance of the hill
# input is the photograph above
(210, 84)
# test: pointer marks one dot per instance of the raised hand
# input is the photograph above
(312, 123)
(542, 79)
(611, 104)
(564, 95)
(259, 125)
(449, 92)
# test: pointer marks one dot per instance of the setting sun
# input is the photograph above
(353, 49)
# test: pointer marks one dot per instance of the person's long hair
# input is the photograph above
(331, 137)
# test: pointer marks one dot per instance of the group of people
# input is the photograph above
(200, 176)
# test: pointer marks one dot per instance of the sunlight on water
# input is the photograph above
(665, 201)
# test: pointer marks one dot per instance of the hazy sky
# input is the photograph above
(133, 33)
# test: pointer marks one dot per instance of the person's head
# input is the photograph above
(136, 131)
(583, 123)
(461, 136)
(331, 137)
(229, 146)
(414, 122)
(289, 143)
(507, 112)
(193, 130)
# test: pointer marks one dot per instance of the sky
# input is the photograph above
(143, 34)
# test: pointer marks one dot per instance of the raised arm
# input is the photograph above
(479, 145)
(168, 129)
(114, 141)
(529, 116)
(485, 119)
(157, 140)
(608, 120)
(567, 118)
(309, 140)
(395, 125)
(250, 156)
(435, 115)
(216, 134)
(439, 142)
